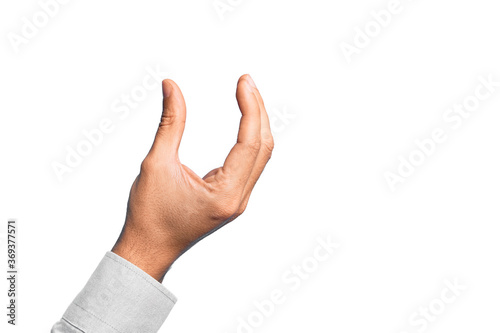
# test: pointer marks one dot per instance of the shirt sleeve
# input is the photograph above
(119, 297)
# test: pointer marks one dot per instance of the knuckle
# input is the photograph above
(168, 118)
(146, 165)
(226, 208)
(149, 164)
(268, 145)
(241, 209)
(253, 146)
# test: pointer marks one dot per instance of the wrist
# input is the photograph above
(153, 260)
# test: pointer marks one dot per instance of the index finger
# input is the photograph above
(241, 159)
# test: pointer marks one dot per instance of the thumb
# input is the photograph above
(169, 134)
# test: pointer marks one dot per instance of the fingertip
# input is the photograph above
(167, 88)
(248, 81)
(172, 94)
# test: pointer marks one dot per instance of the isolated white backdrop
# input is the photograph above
(347, 125)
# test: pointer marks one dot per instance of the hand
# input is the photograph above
(171, 208)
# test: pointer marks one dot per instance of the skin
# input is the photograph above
(170, 208)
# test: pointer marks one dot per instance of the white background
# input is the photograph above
(326, 178)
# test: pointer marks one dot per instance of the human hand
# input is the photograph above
(170, 208)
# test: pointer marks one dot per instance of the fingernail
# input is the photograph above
(167, 89)
(250, 81)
